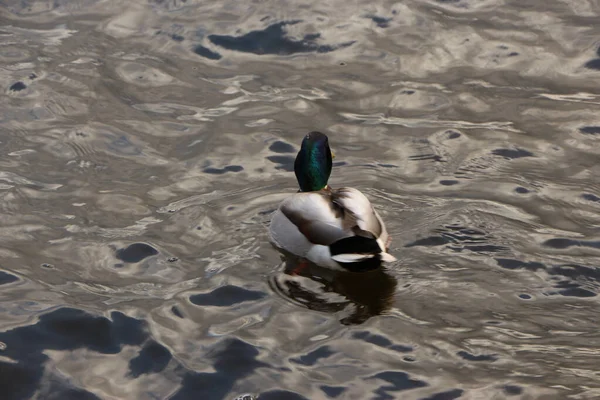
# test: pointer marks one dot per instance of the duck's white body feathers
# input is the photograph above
(313, 224)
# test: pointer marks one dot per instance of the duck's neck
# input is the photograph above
(326, 188)
(311, 182)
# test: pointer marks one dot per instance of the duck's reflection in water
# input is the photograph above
(366, 294)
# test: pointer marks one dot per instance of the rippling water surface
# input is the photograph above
(145, 144)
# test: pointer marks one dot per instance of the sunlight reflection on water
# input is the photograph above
(146, 145)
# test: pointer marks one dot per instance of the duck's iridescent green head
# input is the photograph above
(313, 162)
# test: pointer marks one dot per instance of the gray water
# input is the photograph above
(144, 146)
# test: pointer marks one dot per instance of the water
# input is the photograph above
(145, 144)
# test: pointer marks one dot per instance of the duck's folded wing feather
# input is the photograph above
(358, 210)
(315, 217)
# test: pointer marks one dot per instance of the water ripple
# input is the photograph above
(146, 145)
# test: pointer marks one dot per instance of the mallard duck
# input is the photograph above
(335, 228)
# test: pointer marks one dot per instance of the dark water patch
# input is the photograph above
(513, 54)
(221, 171)
(577, 292)
(6, 278)
(512, 390)
(19, 381)
(401, 348)
(593, 64)
(136, 252)
(207, 53)
(449, 182)
(281, 147)
(279, 394)
(424, 157)
(314, 356)
(339, 163)
(273, 40)
(226, 296)
(508, 263)
(382, 341)
(453, 134)
(285, 163)
(387, 165)
(564, 243)
(525, 296)
(590, 197)
(176, 37)
(521, 190)
(63, 329)
(398, 381)
(472, 357)
(448, 395)
(590, 130)
(152, 358)
(232, 360)
(17, 86)
(561, 243)
(512, 154)
(380, 21)
(373, 338)
(32, 76)
(332, 391)
(409, 359)
(575, 271)
(175, 310)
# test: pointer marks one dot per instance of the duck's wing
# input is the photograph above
(359, 215)
(316, 217)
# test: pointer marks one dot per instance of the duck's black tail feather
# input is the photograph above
(358, 253)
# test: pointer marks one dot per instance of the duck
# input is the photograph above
(332, 228)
